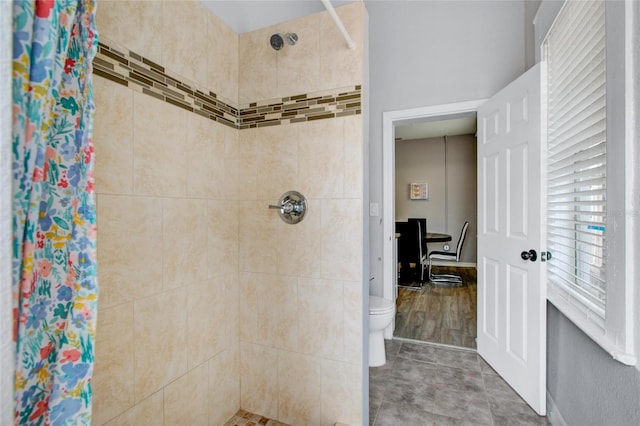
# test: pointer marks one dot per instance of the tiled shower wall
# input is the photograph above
(203, 287)
(301, 285)
(167, 342)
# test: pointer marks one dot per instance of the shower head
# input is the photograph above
(277, 40)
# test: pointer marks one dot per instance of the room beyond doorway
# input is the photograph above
(421, 325)
(441, 153)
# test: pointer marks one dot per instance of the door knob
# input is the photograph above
(529, 255)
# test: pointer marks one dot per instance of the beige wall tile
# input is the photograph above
(232, 170)
(353, 327)
(186, 400)
(222, 59)
(341, 388)
(184, 41)
(341, 234)
(224, 385)
(276, 161)
(159, 148)
(321, 324)
(258, 236)
(259, 378)
(112, 381)
(206, 165)
(232, 309)
(249, 306)
(184, 242)
(339, 65)
(277, 297)
(147, 412)
(299, 65)
(206, 321)
(257, 66)
(222, 237)
(128, 250)
(160, 341)
(248, 164)
(298, 389)
(132, 24)
(298, 247)
(353, 157)
(113, 137)
(321, 159)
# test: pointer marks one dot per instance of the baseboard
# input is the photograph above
(454, 264)
(553, 413)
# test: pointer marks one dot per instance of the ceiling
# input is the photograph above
(244, 16)
(433, 129)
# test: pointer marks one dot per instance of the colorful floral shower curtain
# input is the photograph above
(54, 229)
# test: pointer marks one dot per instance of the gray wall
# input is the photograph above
(586, 384)
(430, 53)
(452, 189)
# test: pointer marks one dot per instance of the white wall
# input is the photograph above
(431, 53)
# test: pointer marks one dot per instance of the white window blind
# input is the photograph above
(576, 159)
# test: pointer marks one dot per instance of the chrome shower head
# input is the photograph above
(277, 40)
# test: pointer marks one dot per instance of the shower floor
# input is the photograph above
(245, 418)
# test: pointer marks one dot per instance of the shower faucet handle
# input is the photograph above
(292, 206)
(289, 207)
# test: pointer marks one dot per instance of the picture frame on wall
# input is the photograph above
(419, 191)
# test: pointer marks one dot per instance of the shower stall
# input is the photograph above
(212, 303)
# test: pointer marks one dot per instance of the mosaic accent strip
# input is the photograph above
(305, 107)
(143, 75)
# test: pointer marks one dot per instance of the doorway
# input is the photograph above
(425, 314)
(511, 286)
(439, 156)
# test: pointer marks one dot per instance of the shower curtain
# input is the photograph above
(54, 222)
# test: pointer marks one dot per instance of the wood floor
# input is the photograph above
(440, 314)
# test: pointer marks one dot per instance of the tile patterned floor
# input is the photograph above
(245, 418)
(423, 384)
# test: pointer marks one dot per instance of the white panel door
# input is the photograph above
(511, 290)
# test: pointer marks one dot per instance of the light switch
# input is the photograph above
(373, 209)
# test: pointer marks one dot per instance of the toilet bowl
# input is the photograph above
(381, 313)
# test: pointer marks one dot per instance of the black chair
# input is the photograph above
(408, 252)
(445, 255)
(422, 241)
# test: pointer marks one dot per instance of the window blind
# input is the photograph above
(576, 158)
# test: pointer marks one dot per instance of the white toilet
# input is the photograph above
(381, 313)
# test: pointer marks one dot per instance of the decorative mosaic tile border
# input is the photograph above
(130, 69)
(305, 107)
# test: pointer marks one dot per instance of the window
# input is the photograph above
(581, 282)
(576, 159)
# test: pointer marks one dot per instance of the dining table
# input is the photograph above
(437, 237)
